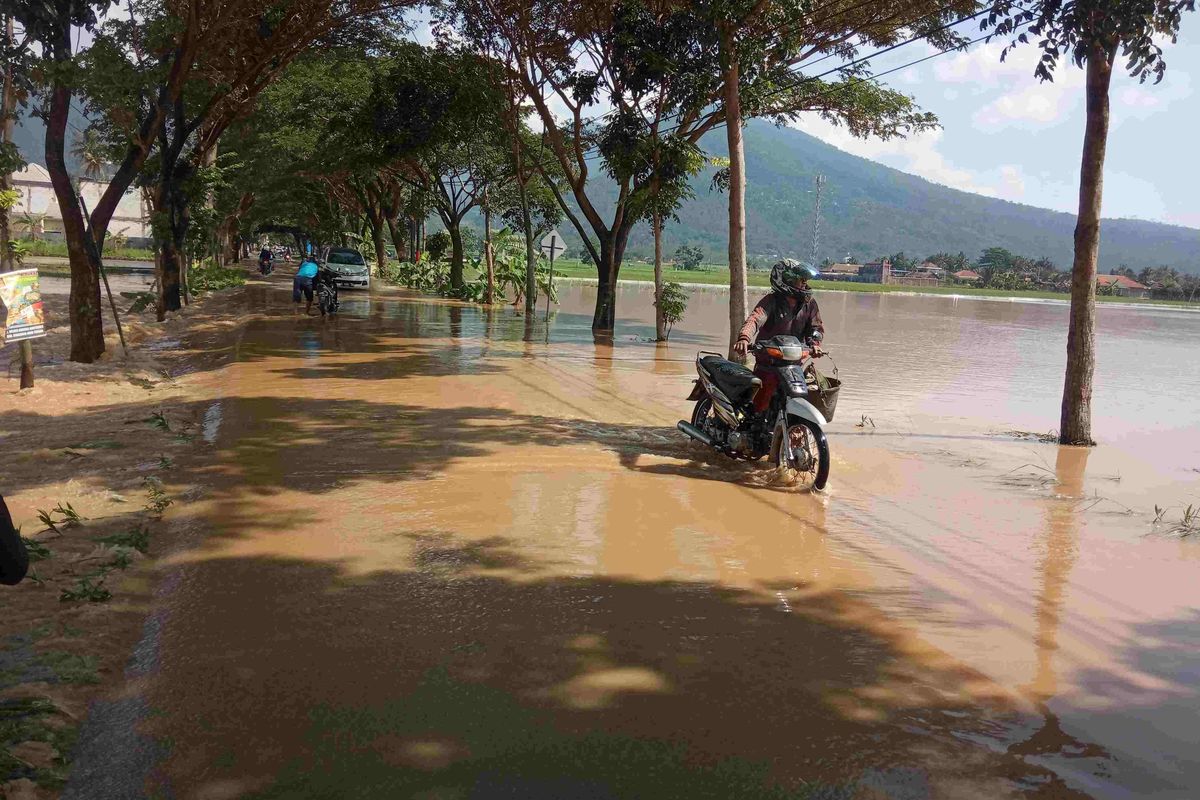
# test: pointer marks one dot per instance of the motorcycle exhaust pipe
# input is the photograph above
(696, 433)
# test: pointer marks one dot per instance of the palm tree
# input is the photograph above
(90, 152)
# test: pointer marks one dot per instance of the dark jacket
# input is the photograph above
(773, 317)
(14, 561)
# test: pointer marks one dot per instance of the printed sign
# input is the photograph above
(24, 317)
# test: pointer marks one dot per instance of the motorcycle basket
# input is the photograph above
(823, 393)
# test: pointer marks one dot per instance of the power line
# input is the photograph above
(843, 86)
(847, 84)
(795, 67)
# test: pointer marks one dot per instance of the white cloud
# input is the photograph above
(1039, 105)
(1137, 97)
(1190, 219)
(981, 67)
(921, 155)
(1012, 179)
(1134, 100)
(917, 154)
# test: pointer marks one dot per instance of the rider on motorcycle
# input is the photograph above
(789, 310)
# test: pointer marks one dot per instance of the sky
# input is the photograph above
(1005, 134)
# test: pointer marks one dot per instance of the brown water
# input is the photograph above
(442, 556)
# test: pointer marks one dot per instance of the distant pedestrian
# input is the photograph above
(14, 560)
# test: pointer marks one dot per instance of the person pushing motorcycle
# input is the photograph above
(789, 310)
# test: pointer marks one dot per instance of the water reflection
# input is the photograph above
(1060, 547)
(945, 361)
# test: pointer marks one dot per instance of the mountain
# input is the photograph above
(869, 210)
(29, 135)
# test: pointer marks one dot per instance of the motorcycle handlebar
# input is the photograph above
(758, 347)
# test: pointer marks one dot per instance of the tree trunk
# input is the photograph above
(612, 252)
(168, 279)
(489, 294)
(84, 308)
(7, 109)
(737, 188)
(604, 321)
(660, 322)
(397, 237)
(1076, 423)
(456, 253)
(380, 244)
(530, 251)
(170, 204)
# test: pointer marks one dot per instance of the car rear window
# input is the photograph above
(346, 258)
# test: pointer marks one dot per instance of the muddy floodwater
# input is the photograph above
(449, 552)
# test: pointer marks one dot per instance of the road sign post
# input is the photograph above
(551, 246)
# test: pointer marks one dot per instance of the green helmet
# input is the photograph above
(788, 272)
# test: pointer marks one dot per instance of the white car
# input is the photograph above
(350, 268)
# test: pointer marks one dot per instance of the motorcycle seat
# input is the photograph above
(737, 382)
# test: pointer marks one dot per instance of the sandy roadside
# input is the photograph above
(102, 441)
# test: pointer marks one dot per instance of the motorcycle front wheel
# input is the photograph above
(810, 452)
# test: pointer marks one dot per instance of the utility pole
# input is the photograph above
(820, 181)
(8, 110)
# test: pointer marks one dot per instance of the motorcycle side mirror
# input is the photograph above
(817, 336)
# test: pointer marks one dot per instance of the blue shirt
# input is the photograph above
(307, 270)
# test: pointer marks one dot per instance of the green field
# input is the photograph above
(719, 276)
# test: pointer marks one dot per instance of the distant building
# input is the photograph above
(968, 276)
(841, 272)
(37, 215)
(1123, 286)
(876, 272)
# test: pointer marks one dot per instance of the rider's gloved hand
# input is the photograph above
(740, 348)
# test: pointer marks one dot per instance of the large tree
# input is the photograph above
(49, 27)
(763, 46)
(572, 60)
(261, 38)
(15, 70)
(1091, 34)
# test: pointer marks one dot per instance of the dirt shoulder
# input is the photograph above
(91, 477)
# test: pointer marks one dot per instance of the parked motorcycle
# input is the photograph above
(792, 429)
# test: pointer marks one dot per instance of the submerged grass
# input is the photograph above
(34, 719)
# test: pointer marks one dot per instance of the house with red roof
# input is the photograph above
(1123, 286)
(968, 276)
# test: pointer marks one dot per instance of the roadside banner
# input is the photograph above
(21, 298)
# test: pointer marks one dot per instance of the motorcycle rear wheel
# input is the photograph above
(701, 411)
(810, 452)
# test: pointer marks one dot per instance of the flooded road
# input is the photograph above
(446, 552)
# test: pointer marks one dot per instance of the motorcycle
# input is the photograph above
(265, 266)
(792, 429)
(326, 289)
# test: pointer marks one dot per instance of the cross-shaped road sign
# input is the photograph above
(552, 245)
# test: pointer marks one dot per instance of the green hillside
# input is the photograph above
(870, 210)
